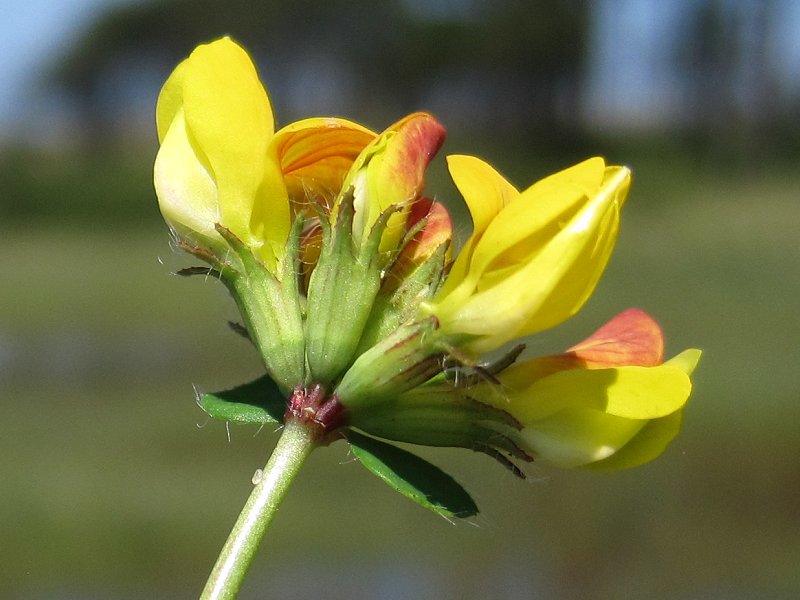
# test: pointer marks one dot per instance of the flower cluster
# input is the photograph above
(368, 326)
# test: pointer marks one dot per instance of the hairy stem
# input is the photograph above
(295, 444)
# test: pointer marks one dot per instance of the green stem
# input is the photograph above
(295, 444)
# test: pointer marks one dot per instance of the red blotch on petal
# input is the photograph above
(437, 230)
(631, 338)
(417, 139)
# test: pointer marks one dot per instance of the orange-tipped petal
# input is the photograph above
(315, 155)
(399, 173)
(390, 172)
(438, 229)
(630, 338)
(646, 445)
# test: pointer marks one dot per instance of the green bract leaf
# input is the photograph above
(413, 477)
(257, 402)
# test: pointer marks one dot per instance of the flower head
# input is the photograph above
(342, 270)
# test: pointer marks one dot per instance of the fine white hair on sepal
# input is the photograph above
(350, 458)
(197, 400)
(198, 395)
(450, 520)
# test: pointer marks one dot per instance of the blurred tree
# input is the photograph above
(512, 65)
(732, 85)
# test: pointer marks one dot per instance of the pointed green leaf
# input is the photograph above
(257, 402)
(412, 476)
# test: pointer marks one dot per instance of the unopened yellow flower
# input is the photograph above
(534, 257)
(389, 173)
(221, 162)
(608, 402)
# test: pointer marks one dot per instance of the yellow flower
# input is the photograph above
(534, 257)
(341, 270)
(221, 162)
(608, 402)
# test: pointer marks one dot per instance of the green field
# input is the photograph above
(114, 484)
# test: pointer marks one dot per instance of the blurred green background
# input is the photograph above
(113, 484)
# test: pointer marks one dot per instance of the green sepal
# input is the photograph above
(270, 307)
(398, 303)
(463, 373)
(341, 292)
(398, 363)
(413, 477)
(440, 415)
(227, 267)
(258, 402)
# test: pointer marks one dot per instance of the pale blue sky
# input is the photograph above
(31, 32)
(630, 77)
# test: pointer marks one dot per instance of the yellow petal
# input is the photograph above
(485, 191)
(538, 260)
(170, 100)
(686, 361)
(229, 117)
(577, 437)
(646, 445)
(186, 193)
(521, 375)
(536, 216)
(315, 155)
(648, 392)
(629, 392)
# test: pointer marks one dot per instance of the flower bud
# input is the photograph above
(215, 123)
(369, 221)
